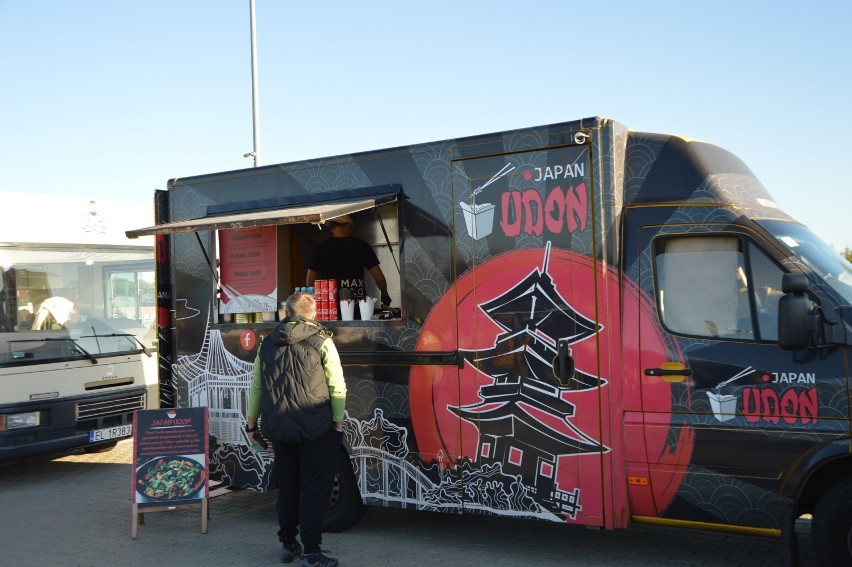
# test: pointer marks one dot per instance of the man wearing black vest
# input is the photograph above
(299, 392)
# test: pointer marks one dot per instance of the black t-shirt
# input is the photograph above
(344, 259)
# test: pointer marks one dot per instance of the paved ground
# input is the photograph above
(75, 510)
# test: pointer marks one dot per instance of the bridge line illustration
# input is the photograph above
(400, 481)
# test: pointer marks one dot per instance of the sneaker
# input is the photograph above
(317, 560)
(290, 551)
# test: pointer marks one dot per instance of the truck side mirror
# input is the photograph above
(794, 283)
(796, 324)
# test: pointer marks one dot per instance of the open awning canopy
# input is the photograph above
(281, 211)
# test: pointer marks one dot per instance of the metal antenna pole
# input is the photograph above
(255, 104)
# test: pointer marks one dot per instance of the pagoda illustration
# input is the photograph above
(534, 318)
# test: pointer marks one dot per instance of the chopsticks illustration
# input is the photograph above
(744, 372)
(508, 168)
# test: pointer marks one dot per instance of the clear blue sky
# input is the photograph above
(110, 98)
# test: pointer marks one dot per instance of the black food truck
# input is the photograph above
(591, 325)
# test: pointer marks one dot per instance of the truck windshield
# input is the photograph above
(825, 262)
(60, 302)
(47, 346)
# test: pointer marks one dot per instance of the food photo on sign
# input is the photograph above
(171, 478)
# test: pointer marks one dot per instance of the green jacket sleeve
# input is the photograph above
(254, 392)
(334, 379)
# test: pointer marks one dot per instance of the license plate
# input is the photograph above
(110, 433)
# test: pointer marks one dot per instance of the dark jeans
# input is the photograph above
(305, 473)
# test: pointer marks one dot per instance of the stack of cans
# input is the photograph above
(326, 297)
(332, 299)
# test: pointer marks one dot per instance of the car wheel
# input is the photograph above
(345, 507)
(831, 528)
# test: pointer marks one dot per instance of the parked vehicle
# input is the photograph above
(596, 326)
(75, 342)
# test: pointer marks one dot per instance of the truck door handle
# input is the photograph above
(670, 372)
(563, 363)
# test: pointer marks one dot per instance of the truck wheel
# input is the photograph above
(831, 529)
(345, 507)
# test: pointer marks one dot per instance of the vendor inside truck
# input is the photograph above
(344, 258)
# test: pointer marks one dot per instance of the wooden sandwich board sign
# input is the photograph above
(170, 463)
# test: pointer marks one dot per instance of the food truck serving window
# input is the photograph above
(264, 246)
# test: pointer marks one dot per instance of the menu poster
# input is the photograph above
(248, 263)
(170, 458)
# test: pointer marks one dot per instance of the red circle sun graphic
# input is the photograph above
(504, 318)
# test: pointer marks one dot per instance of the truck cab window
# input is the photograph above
(702, 286)
(766, 277)
(709, 286)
